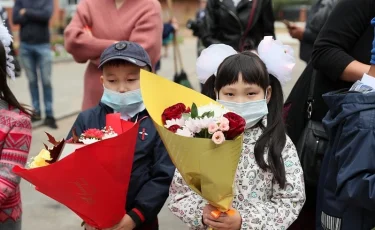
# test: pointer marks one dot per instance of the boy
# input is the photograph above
(346, 193)
(152, 168)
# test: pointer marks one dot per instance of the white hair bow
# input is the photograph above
(7, 40)
(210, 59)
(278, 58)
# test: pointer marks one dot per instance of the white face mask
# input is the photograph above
(252, 111)
(129, 103)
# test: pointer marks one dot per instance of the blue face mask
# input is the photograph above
(129, 103)
(252, 111)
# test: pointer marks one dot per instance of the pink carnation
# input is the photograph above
(218, 137)
(212, 128)
(224, 126)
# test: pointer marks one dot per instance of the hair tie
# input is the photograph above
(7, 40)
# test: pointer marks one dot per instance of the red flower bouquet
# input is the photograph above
(93, 180)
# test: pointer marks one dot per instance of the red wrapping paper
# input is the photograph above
(93, 181)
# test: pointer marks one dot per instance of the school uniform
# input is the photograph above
(152, 170)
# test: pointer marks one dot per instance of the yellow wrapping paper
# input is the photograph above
(207, 168)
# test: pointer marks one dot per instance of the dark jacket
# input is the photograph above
(346, 193)
(346, 36)
(225, 23)
(318, 15)
(152, 170)
(35, 22)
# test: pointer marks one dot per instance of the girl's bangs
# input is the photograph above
(250, 66)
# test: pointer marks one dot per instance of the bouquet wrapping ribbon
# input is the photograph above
(208, 169)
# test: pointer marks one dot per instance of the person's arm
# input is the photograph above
(148, 31)
(40, 15)
(78, 42)
(268, 19)
(346, 24)
(153, 194)
(285, 203)
(17, 17)
(318, 20)
(355, 164)
(209, 26)
(186, 204)
(16, 145)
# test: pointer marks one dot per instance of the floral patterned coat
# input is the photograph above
(262, 204)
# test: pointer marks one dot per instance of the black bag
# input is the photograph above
(313, 142)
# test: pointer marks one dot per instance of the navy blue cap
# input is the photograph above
(127, 51)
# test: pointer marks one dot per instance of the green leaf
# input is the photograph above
(206, 114)
(211, 114)
(194, 111)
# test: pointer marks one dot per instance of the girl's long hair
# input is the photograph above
(5, 92)
(254, 71)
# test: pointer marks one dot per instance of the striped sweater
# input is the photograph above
(15, 140)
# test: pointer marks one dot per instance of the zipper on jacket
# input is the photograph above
(221, 5)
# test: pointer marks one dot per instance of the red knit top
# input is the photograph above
(15, 141)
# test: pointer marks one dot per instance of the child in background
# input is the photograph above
(269, 186)
(152, 170)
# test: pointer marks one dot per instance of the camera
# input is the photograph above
(194, 26)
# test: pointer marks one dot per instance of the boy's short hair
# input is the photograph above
(125, 51)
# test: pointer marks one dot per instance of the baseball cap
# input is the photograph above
(127, 51)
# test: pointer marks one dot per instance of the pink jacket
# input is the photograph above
(136, 20)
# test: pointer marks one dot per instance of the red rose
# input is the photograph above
(174, 128)
(236, 125)
(173, 112)
(93, 133)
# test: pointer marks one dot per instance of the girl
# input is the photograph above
(15, 140)
(269, 187)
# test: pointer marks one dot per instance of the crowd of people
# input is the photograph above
(306, 163)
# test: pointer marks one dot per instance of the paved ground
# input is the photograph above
(41, 212)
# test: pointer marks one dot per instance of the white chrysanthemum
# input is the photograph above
(218, 110)
(109, 135)
(197, 124)
(184, 132)
(180, 122)
(88, 141)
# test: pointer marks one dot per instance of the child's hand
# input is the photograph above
(126, 223)
(224, 222)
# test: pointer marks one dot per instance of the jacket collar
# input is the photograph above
(108, 110)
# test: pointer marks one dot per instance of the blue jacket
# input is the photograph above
(346, 193)
(35, 22)
(152, 170)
